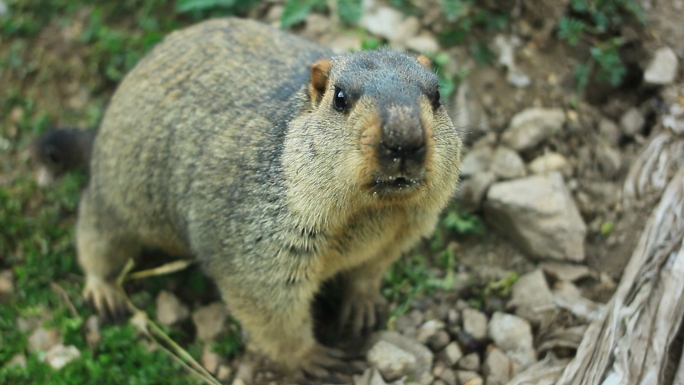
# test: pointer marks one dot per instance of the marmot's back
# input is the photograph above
(221, 75)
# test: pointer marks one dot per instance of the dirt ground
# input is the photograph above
(65, 89)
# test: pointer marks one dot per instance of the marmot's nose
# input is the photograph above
(403, 139)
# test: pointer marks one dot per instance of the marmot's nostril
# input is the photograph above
(413, 151)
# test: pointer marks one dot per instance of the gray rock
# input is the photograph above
(18, 359)
(608, 159)
(551, 161)
(210, 360)
(469, 362)
(610, 132)
(662, 69)
(532, 126)
(209, 320)
(376, 378)
(465, 376)
(474, 323)
(59, 355)
(3, 8)
(565, 271)
(41, 340)
(474, 189)
(452, 353)
(423, 43)
(476, 161)
(390, 360)
(513, 335)
(422, 354)
(439, 341)
(538, 214)
(448, 376)
(170, 310)
(632, 122)
(533, 299)
(6, 284)
(496, 368)
(390, 23)
(507, 164)
(427, 330)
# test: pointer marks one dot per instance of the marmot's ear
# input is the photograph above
(319, 80)
(422, 59)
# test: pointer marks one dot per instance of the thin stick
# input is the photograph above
(161, 270)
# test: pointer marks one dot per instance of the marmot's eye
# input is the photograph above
(436, 100)
(339, 100)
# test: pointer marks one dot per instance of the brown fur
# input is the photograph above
(223, 144)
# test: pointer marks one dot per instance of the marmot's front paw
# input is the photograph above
(107, 298)
(366, 313)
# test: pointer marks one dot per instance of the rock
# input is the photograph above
(496, 368)
(532, 126)
(423, 43)
(18, 359)
(632, 122)
(469, 362)
(209, 320)
(316, 25)
(391, 361)
(210, 360)
(551, 161)
(476, 161)
(567, 296)
(565, 271)
(538, 214)
(507, 164)
(513, 335)
(448, 376)
(662, 69)
(428, 329)
(475, 381)
(376, 378)
(6, 284)
(170, 310)
(224, 372)
(41, 340)
(474, 323)
(407, 324)
(533, 299)
(59, 355)
(92, 326)
(422, 354)
(608, 159)
(506, 48)
(452, 353)
(390, 24)
(438, 341)
(464, 376)
(610, 132)
(345, 43)
(3, 8)
(245, 373)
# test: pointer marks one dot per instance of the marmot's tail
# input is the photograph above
(64, 149)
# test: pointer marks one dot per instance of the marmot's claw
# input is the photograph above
(366, 315)
(108, 299)
(322, 362)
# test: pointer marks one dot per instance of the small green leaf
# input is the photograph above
(183, 6)
(296, 11)
(350, 11)
(454, 9)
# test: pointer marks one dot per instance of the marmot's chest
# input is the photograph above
(364, 239)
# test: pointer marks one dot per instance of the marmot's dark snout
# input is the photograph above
(402, 149)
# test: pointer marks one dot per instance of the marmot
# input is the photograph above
(277, 164)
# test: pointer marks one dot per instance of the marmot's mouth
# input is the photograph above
(398, 184)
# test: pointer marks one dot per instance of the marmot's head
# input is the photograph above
(377, 129)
